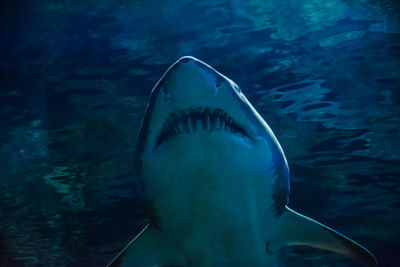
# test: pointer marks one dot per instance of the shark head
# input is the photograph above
(215, 180)
(198, 114)
(192, 96)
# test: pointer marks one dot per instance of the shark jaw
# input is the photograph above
(216, 180)
(191, 120)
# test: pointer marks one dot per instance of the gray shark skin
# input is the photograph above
(216, 180)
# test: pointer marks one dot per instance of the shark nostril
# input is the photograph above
(164, 91)
(218, 83)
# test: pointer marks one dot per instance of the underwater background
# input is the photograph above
(75, 77)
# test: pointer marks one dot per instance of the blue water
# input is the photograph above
(75, 77)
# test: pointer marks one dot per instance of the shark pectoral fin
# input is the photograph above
(149, 248)
(297, 229)
(117, 260)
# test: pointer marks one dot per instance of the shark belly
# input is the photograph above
(217, 210)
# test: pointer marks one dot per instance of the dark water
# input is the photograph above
(75, 77)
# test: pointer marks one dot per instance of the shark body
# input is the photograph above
(215, 180)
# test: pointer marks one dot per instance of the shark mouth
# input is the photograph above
(194, 119)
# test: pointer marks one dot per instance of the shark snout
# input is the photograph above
(186, 59)
(190, 62)
(190, 81)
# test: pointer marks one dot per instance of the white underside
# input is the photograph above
(212, 193)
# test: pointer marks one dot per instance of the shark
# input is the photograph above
(215, 180)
